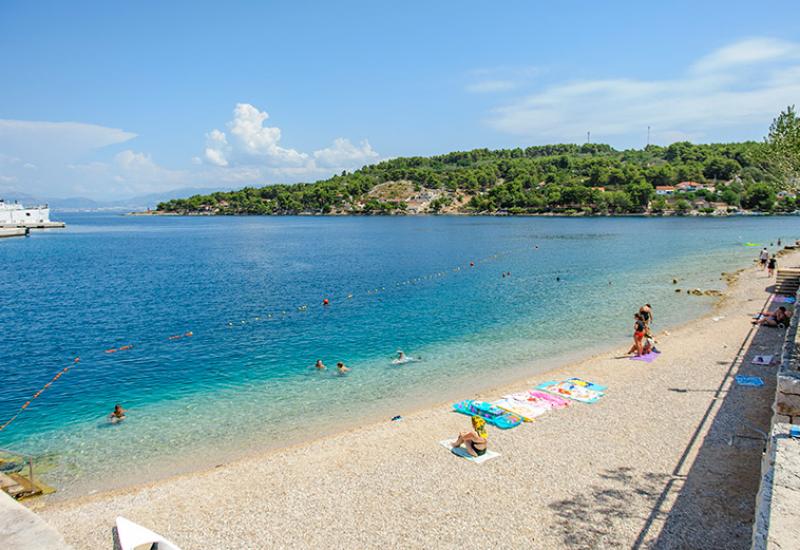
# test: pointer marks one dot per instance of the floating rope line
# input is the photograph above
(38, 393)
(326, 302)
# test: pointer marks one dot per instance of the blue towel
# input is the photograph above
(754, 381)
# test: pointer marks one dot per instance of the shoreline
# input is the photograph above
(510, 381)
(692, 214)
(659, 438)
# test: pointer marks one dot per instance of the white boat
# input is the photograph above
(132, 536)
(16, 215)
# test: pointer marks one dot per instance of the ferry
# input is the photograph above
(34, 217)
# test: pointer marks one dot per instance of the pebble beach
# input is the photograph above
(669, 458)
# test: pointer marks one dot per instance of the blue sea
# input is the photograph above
(250, 291)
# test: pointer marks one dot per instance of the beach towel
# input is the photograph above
(784, 299)
(753, 381)
(586, 384)
(540, 398)
(762, 360)
(570, 391)
(647, 358)
(527, 410)
(463, 453)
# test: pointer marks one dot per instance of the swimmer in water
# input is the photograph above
(341, 368)
(319, 365)
(401, 356)
(118, 415)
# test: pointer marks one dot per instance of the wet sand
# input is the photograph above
(668, 459)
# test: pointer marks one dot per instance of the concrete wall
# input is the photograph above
(21, 529)
(777, 522)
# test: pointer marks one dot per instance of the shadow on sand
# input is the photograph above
(708, 499)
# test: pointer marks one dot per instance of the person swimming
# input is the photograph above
(403, 358)
(319, 365)
(341, 368)
(118, 415)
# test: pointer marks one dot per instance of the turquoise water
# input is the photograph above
(243, 381)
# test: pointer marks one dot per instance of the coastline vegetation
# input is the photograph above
(589, 179)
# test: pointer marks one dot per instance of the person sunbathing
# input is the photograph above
(778, 318)
(475, 442)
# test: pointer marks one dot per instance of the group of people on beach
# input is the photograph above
(643, 340)
(767, 261)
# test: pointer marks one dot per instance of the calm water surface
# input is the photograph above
(243, 381)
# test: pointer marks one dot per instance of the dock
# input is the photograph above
(14, 232)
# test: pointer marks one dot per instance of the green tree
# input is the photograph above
(720, 168)
(682, 206)
(640, 193)
(659, 204)
(783, 147)
(759, 196)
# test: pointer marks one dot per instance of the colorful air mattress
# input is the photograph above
(572, 391)
(537, 399)
(554, 401)
(586, 384)
(526, 410)
(492, 414)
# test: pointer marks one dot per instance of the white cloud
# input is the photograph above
(67, 159)
(37, 155)
(250, 140)
(747, 52)
(26, 136)
(740, 86)
(344, 153)
(129, 173)
(217, 148)
(250, 150)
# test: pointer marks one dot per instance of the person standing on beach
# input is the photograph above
(639, 329)
(771, 265)
(763, 257)
(646, 312)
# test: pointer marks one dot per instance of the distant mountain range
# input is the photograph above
(71, 204)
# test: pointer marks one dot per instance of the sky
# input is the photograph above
(110, 100)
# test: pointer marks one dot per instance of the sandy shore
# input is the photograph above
(668, 458)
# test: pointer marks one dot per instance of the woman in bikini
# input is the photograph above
(639, 328)
(475, 442)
